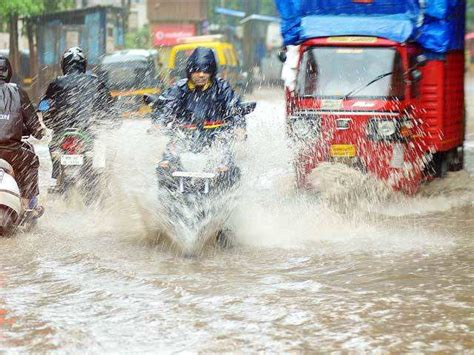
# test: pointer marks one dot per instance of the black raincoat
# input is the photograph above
(186, 104)
(76, 99)
(18, 118)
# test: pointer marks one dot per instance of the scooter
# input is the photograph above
(13, 215)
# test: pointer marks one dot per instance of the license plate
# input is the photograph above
(331, 104)
(72, 160)
(343, 150)
(194, 175)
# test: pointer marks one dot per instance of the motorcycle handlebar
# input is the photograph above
(153, 100)
(247, 107)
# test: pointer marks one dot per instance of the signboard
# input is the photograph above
(175, 11)
(169, 34)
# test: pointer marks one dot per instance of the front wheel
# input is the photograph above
(457, 159)
(8, 219)
(443, 162)
(225, 239)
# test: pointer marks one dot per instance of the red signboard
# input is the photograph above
(169, 34)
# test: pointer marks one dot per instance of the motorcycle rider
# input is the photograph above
(75, 99)
(202, 99)
(18, 118)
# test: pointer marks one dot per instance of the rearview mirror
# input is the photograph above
(282, 56)
(415, 75)
(153, 100)
(248, 107)
(421, 60)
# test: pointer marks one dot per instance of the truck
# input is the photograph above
(379, 86)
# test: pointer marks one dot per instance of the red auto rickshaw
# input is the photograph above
(378, 89)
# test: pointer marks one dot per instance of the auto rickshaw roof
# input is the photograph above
(130, 55)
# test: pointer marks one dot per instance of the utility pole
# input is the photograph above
(248, 45)
(126, 4)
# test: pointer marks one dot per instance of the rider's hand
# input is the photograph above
(240, 133)
(47, 134)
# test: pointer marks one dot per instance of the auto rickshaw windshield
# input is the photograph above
(332, 72)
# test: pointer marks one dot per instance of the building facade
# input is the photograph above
(137, 17)
(171, 20)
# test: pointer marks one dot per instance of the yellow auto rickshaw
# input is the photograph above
(226, 56)
(129, 75)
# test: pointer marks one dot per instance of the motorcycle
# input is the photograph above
(13, 215)
(81, 161)
(197, 181)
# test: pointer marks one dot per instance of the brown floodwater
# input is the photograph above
(307, 272)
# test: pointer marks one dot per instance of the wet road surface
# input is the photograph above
(393, 274)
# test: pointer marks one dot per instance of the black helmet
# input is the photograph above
(6, 70)
(202, 60)
(74, 59)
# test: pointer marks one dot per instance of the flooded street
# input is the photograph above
(308, 271)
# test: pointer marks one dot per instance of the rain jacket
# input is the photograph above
(17, 117)
(76, 99)
(186, 104)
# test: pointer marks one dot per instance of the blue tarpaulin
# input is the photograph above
(290, 12)
(437, 25)
(394, 27)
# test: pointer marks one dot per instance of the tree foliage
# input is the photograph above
(139, 38)
(470, 15)
(11, 11)
(20, 7)
(25, 8)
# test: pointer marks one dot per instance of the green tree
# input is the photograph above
(470, 15)
(139, 38)
(12, 10)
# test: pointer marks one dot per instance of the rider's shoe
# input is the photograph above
(35, 209)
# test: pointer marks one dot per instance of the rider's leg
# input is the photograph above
(26, 166)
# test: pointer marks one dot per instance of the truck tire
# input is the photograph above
(457, 159)
(438, 166)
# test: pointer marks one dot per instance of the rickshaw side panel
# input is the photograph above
(440, 104)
